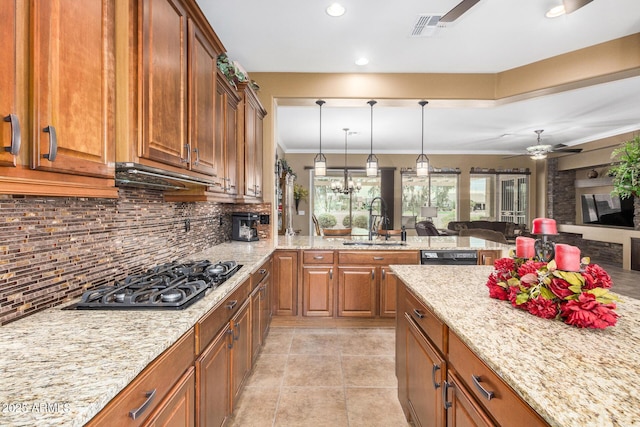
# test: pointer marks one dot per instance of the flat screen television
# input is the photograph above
(604, 209)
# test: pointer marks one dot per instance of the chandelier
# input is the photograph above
(347, 186)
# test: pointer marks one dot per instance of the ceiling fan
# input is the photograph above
(458, 10)
(540, 150)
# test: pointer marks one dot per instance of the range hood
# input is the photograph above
(130, 174)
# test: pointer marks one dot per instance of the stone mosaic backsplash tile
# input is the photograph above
(53, 249)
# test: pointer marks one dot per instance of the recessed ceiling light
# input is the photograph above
(556, 11)
(362, 61)
(336, 9)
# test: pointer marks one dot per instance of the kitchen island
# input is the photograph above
(569, 376)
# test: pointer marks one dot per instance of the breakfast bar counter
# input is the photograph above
(571, 377)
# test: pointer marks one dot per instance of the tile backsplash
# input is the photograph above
(53, 249)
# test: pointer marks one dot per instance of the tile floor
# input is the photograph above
(323, 377)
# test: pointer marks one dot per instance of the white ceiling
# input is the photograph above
(493, 36)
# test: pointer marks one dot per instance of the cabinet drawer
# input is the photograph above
(317, 257)
(426, 320)
(209, 325)
(261, 273)
(378, 257)
(504, 405)
(157, 378)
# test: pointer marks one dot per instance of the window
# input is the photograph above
(499, 197)
(333, 209)
(440, 187)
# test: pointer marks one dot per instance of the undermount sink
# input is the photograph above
(372, 243)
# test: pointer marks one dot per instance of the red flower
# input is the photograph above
(560, 288)
(542, 307)
(530, 267)
(586, 312)
(596, 277)
(495, 290)
(514, 291)
(504, 265)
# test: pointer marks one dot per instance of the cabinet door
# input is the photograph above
(202, 96)
(265, 309)
(179, 409)
(255, 321)
(488, 256)
(213, 381)
(231, 145)
(462, 410)
(357, 291)
(424, 378)
(285, 283)
(164, 81)
(9, 125)
(73, 90)
(241, 351)
(317, 290)
(388, 289)
(250, 117)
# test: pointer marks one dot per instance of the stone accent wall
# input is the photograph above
(53, 249)
(561, 193)
(598, 252)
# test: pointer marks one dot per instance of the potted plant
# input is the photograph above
(626, 169)
(299, 193)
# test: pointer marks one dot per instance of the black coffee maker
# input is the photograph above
(245, 226)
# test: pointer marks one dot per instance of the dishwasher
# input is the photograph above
(448, 257)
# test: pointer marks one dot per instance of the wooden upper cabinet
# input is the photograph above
(202, 97)
(252, 134)
(73, 91)
(164, 82)
(226, 143)
(9, 116)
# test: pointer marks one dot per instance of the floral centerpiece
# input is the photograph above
(579, 298)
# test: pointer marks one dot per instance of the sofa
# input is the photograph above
(509, 229)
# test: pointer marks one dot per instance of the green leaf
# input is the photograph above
(522, 298)
(546, 293)
(570, 276)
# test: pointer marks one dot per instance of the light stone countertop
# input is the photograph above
(572, 377)
(61, 367)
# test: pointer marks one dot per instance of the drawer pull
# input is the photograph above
(445, 392)
(433, 376)
(373, 274)
(232, 304)
(417, 313)
(262, 271)
(485, 393)
(318, 257)
(378, 258)
(137, 412)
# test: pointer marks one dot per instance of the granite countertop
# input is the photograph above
(570, 376)
(412, 243)
(61, 367)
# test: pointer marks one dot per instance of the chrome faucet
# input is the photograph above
(385, 220)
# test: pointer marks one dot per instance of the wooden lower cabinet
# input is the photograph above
(442, 382)
(357, 291)
(285, 283)
(260, 307)
(179, 407)
(241, 350)
(317, 290)
(213, 380)
(462, 410)
(425, 370)
(388, 290)
(488, 256)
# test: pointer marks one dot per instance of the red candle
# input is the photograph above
(525, 247)
(544, 226)
(567, 257)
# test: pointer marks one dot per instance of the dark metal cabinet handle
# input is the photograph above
(433, 376)
(384, 274)
(378, 258)
(16, 137)
(318, 257)
(197, 151)
(373, 273)
(230, 335)
(53, 144)
(445, 392)
(187, 149)
(232, 304)
(417, 313)
(262, 271)
(331, 273)
(485, 393)
(135, 413)
(236, 326)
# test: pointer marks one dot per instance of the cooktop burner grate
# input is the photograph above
(167, 286)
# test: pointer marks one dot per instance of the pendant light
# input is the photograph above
(320, 161)
(422, 162)
(372, 160)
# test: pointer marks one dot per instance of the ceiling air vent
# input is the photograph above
(426, 25)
